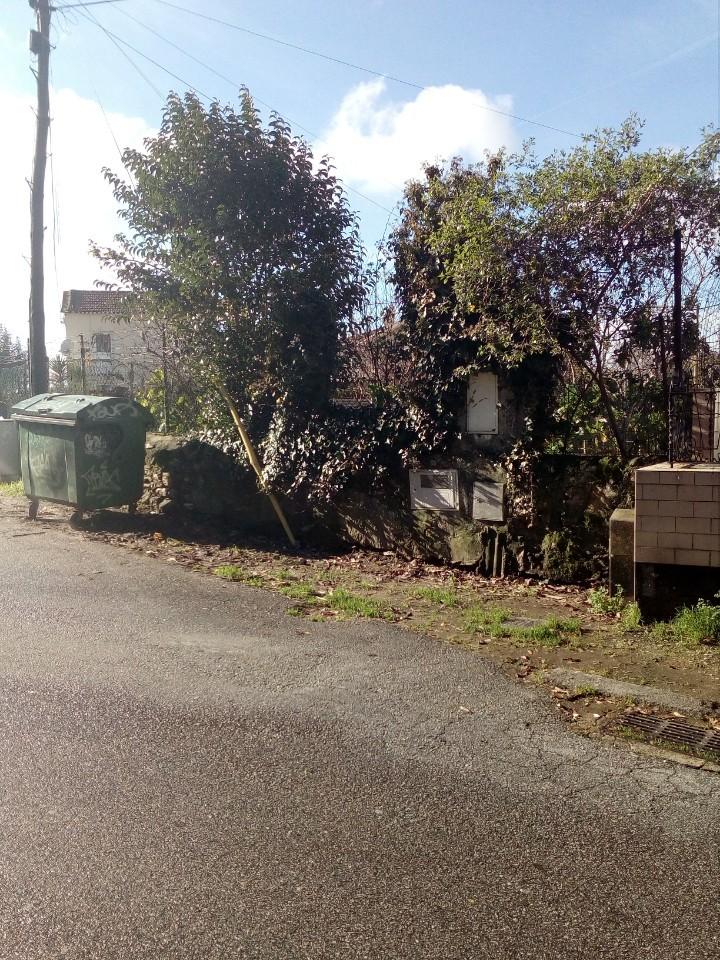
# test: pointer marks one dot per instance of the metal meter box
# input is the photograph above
(88, 452)
(9, 451)
(434, 490)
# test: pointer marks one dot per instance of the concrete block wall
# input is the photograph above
(677, 514)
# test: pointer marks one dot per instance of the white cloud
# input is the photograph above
(378, 144)
(82, 145)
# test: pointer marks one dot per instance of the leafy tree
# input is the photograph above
(247, 250)
(571, 255)
(13, 371)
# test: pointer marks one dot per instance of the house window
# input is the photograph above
(482, 403)
(101, 343)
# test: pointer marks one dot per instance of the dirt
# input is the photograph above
(602, 645)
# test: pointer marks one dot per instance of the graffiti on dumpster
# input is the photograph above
(102, 441)
(102, 482)
(109, 412)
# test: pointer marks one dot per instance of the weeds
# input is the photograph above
(352, 603)
(299, 591)
(697, 625)
(631, 617)
(602, 601)
(494, 621)
(552, 633)
(13, 489)
(230, 571)
(442, 596)
(480, 618)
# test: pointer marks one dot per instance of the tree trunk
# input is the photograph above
(610, 412)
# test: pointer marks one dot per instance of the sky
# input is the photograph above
(456, 78)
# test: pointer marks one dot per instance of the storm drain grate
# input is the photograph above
(674, 731)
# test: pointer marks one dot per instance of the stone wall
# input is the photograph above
(186, 477)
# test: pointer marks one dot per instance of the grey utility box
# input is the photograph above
(9, 451)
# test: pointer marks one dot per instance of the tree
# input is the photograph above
(13, 371)
(247, 251)
(571, 255)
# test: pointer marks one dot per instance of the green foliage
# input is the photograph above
(299, 591)
(480, 618)
(493, 621)
(352, 603)
(247, 252)
(602, 601)
(14, 488)
(230, 571)
(554, 632)
(567, 258)
(697, 625)
(184, 403)
(442, 596)
(631, 617)
(13, 371)
(563, 557)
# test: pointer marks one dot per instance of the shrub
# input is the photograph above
(698, 624)
(602, 601)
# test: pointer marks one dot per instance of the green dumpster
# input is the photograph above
(88, 452)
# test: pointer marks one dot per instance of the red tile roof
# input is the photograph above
(93, 301)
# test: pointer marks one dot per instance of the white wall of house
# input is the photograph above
(117, 352)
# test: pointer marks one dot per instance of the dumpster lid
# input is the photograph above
(67, 408)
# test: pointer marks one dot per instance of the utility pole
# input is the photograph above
(82, 364)
(166, 401)
(677, 306)
(40, 46)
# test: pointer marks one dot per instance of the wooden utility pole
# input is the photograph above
(677, 306)
(166, 399)
(40, 46)
(83, 376)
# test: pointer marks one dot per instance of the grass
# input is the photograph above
(631, 618)
(356, 605)
(442, 596)
(602, 601)
(554, 632)
(13, 489)
(299, 591)
(484, 619)
(698, 625)
(693, 626)
(586, 690)
(230, 571)
(494, 621)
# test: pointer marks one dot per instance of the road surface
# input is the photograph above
(187, 772)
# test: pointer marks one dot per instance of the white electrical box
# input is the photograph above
(488, 500)
(482, 403)
(434, 489)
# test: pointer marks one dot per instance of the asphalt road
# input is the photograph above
(187, 772)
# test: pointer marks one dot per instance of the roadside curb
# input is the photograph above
(668, 699)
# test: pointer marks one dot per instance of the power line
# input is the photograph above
(90, 3)
(186, 83)
(116, 42)
(355, 66)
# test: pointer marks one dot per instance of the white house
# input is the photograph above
(108, 351)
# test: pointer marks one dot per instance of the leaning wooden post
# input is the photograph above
(255, 462)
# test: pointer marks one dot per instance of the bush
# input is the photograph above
(602, 601)
(563, 558)
(698, 624)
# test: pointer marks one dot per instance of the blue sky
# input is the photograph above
(565, 63)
